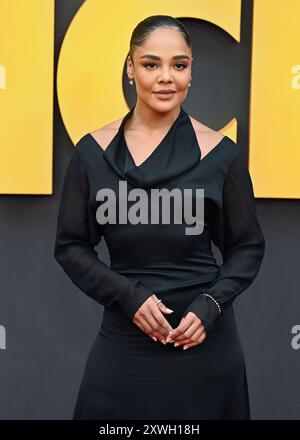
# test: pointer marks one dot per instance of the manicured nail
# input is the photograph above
(169, 310)
(154, 338)
(176, 344)
(163, 341)
(185, 347)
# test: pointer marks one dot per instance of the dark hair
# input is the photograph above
(149, 24)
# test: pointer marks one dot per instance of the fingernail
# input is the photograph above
(169, 310)
(176, 344)
(185, 347)
(154, 338)
(163, 341)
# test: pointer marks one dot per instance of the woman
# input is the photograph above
(168, 346)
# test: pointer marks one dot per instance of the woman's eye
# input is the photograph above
(177, 64)
(181, 64)
(149, 64)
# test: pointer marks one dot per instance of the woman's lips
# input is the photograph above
(164, 95)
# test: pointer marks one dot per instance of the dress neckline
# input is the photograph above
(177, 153)
(156, 149)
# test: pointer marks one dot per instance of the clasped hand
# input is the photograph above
(150, 319)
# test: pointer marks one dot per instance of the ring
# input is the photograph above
(158, 301)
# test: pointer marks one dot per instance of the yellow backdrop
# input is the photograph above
(89, 83)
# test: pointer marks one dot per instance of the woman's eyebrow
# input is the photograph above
(155, 57)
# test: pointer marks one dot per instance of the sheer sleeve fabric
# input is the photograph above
(240, 240)
(74, 247)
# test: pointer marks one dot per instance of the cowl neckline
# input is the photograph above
(177, 153)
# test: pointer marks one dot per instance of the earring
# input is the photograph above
(190, 83)
(131, 82)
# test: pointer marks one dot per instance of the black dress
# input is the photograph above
(127, 374)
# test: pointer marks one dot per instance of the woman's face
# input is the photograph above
(164, 61)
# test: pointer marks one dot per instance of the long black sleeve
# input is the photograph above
(75, 242)
(240, 240)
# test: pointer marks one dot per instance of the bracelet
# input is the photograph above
(217, 304)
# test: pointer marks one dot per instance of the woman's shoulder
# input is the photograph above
(105, 134)
(208, 139)
(100, 137)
